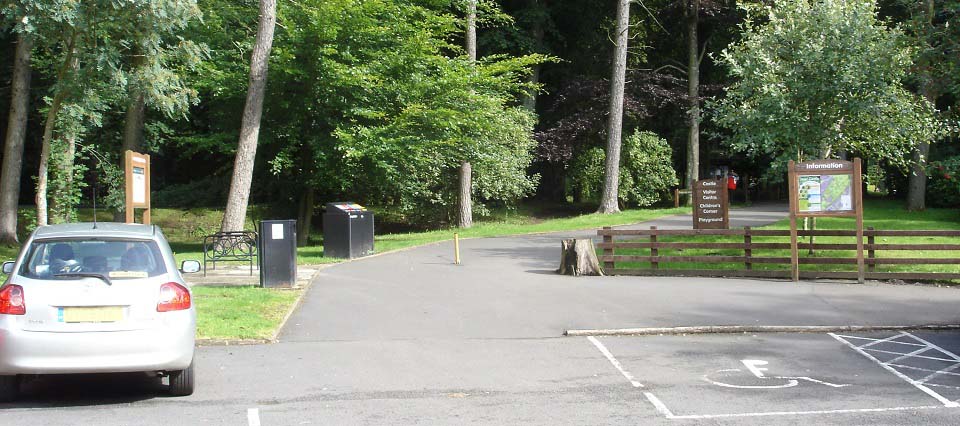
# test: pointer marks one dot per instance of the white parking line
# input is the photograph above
(888, 339)
(908, 355)
(659, 405)
(606, 353)
(946, 402)
(798, 413)
(664, 411)
(253, 417)
(910, 367)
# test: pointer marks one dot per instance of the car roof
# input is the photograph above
(98, 230)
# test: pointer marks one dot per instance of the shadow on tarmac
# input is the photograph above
(80, 390)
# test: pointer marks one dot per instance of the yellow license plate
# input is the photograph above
(93, 314)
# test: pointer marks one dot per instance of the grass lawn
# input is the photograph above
(518, 223)
(241, 312)
(880, 214)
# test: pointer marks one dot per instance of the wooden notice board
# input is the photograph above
(711, 209)
(137, 176)
(828, 188)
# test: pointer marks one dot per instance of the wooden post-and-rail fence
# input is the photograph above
(753, 253)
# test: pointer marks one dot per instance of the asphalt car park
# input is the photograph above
(410, 338)
(834, 378)
(909, 378)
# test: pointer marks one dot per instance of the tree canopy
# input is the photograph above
(380, 102)
(820, 77)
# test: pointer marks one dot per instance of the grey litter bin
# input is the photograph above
(347, 230)
(278, 253)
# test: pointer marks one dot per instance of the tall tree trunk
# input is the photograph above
(529, 100)
(13, 144)
(471, 41)
(304, 221)
(917, 181)
(465, 200)
(236, 210)
(43, 173)
(611, 184)
(134, 122)
(132, 135)
(465, 218)
(693, 92)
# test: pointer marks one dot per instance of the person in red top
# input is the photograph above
(732, 181)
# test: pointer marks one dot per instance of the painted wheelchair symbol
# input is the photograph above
(754, 366)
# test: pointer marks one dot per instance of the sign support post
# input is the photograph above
(794, 249)
(137, 176)
(858, 206)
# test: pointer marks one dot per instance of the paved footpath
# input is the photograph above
(410, 338)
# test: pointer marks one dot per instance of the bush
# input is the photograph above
(646, 171)
(943, 183)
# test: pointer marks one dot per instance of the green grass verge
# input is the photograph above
(247, 312)
(503, 226)
(880, 214)
(523, 225)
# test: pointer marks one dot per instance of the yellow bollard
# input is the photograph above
(456, 248)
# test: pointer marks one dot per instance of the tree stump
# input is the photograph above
(579, 257)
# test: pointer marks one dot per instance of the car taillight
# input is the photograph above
(173, 297)
(12, 301)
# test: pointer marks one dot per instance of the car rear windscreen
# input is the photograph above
(114, 258)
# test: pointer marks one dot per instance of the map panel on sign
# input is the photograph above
(825, 193)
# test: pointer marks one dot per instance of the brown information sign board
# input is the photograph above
(137, 173)
(710, 205)
(825, 188)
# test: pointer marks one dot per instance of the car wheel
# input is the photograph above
(181, 382)
(9, 388)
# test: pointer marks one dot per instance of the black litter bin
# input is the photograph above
(347, 231)
(278, 253)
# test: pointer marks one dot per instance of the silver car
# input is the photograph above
(96, 298)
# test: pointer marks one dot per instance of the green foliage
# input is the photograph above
(382, 111)
(646, 173)
(587, 172)
(66, 183)
(943, 185)
(936, 43)
(94, 54)
(820, 77)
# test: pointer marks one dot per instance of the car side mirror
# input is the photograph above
(8, 267)
(189, 266)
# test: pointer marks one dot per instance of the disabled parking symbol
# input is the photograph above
(757, 370)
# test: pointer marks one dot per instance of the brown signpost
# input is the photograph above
(828, 188)
(137, 174)
(710, 205)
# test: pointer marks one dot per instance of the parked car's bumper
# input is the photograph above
(156, 349)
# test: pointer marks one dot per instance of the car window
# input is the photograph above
(114, 258)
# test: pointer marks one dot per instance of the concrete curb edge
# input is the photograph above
(740, 329)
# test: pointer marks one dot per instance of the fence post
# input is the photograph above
(676, 198)
(608, 251)
(747, 250)
(870, 252)
(654, 252)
